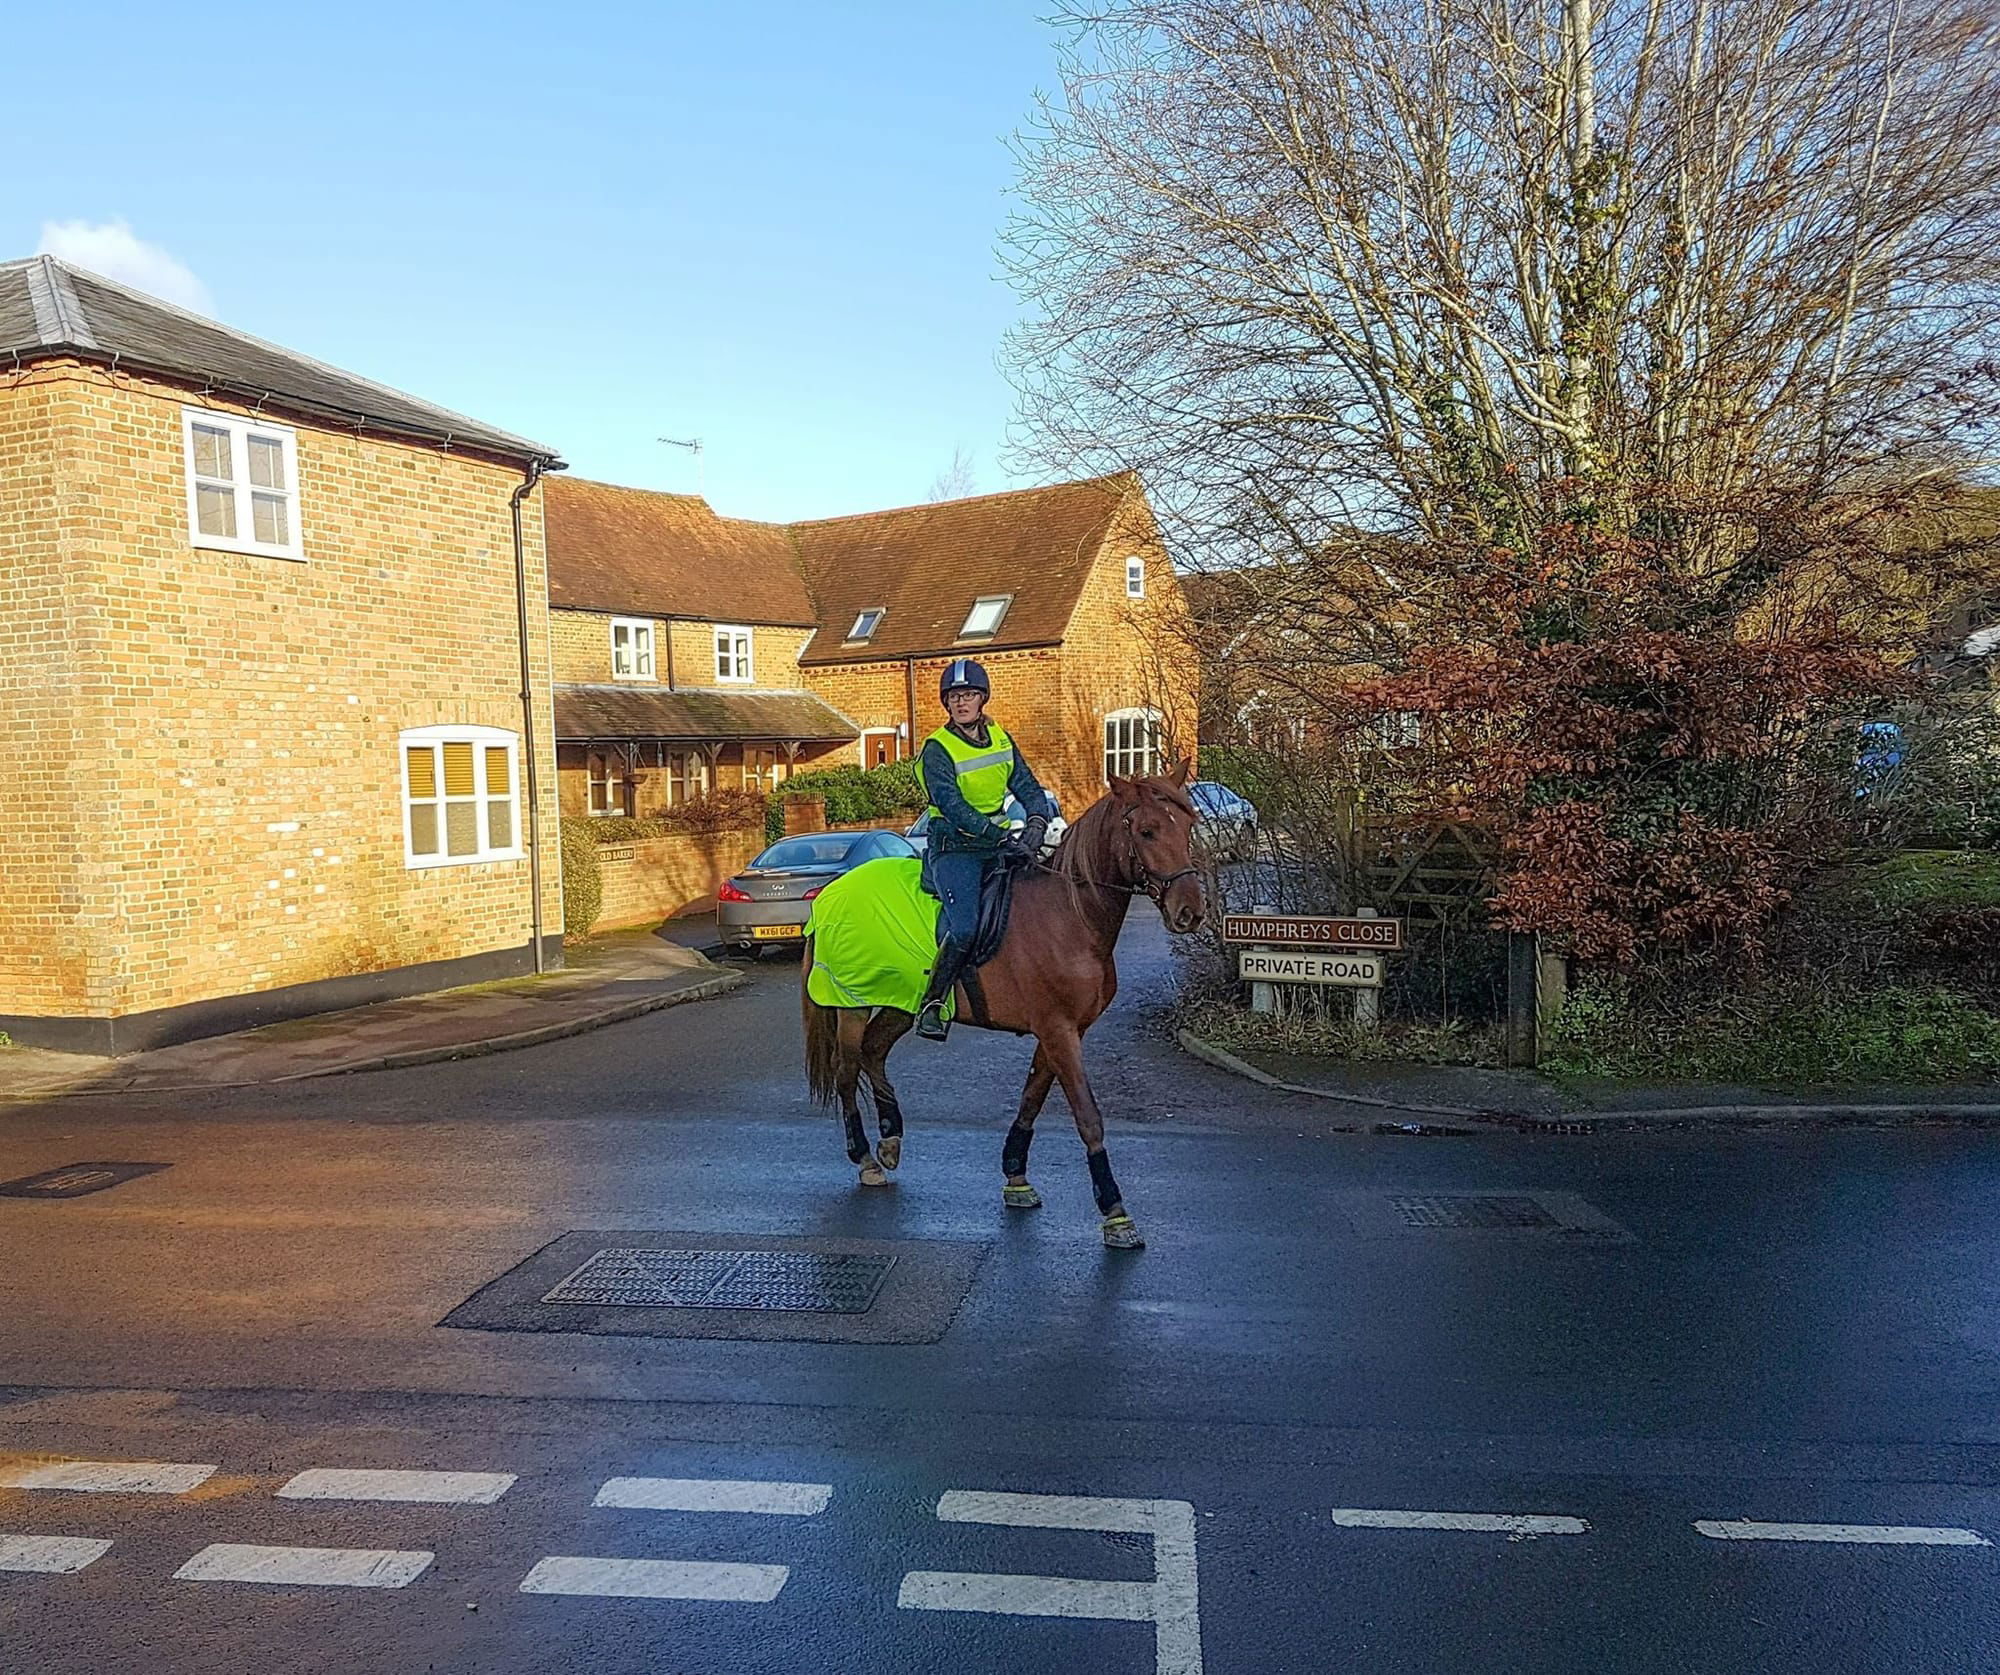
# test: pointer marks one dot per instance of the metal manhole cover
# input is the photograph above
(74, 1180)
(810, 1282)
(1476, 1211)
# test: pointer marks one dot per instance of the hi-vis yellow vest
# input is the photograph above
(983, 771)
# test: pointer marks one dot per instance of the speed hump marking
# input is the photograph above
(1346, 971)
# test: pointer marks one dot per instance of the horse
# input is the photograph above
(1052, 978)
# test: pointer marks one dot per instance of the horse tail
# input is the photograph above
(822, 1039)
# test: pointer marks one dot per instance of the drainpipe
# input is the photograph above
(910, 699)
(528, 715)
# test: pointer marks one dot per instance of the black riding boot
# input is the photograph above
(931, 1023)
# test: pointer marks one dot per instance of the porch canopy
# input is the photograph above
(594, 714)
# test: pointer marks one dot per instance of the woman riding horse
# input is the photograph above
(1052, 978)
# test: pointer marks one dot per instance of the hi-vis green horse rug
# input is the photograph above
(874, 937)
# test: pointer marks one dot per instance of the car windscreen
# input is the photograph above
(826, 849)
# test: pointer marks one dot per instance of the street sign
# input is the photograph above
(1274, 965)
(1382, 936)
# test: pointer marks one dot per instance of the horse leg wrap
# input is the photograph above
(1014, 1155)
(857, 1138)
(1101, 1182)
(888, 1115)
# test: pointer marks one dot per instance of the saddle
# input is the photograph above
(996, 905)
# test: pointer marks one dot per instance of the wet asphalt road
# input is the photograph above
(1788, 1330)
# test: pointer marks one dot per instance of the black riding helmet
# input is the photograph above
(961, 675)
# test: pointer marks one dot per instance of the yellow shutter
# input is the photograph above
(458, 770)
(497, 783)
(422, 765)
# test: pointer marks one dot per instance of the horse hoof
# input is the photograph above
(1023, 1197)
(1121, 1233)
(871, 1174)
(889, 1152)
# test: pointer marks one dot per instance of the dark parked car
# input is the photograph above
(1228, 828)
(771, 899)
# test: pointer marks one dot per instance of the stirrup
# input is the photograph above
(931, 1022)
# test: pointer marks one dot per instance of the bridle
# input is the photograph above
(1151, 884)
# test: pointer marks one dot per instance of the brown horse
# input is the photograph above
(1052, 979)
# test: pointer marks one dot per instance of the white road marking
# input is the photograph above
(50, 1555)
(104, 1477)
(462, 1488)
(755, 1584)
(1883, 1535)
(1171, 1601)
(305, 1567)
(715, 1494)
(1026, 1596)
(1491, 1523)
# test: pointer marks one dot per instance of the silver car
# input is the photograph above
(771, 899)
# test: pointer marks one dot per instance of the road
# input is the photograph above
(1302, 1431)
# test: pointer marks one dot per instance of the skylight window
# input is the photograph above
(985, 617)
(865, 624)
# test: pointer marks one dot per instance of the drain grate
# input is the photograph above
(74, 1180)
(808, 1282)
(1471, 1210)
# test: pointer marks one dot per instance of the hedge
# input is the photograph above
(891, 795)
(583, 879)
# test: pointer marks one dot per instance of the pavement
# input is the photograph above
(1626, 1403)
(605, 981)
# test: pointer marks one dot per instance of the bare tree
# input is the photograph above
(956, 481)
(1410, 266)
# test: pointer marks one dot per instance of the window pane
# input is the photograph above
(421, 765)
(498, 781)
(461, 828)
(458, 770)
(267, 462)
(211, 452)
(267, 519)
(423, 829)
(215, 511)
(500, 824)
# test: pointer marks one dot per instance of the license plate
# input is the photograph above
(775, 933)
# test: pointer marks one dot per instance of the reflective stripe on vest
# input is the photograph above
(983, 770)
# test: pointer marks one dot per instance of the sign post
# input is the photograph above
(1368, 1002)
(1314, 949)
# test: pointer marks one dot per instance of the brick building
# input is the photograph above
(677, 636)
(1064, 593)
(264, 633)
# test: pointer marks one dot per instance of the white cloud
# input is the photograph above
(114, 250)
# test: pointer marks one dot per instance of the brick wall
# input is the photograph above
(582, 641)
(213, 791)
(659, 878)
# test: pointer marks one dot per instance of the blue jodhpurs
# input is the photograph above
(957, 876)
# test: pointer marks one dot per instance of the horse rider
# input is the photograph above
(970, 767)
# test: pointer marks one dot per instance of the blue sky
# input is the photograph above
(768, 226)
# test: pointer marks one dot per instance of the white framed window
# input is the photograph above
(242, 484)
(631, 648)
(459, 801)
(865, 624)
(1131, 744)
(1399, 729)
(1135, 578)
(984, 619)
(732, 653)
(687, 776)
(610, 788)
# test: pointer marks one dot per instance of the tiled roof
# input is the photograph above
(50, 308)
(619, 549)
(638, 712)
(925, 565)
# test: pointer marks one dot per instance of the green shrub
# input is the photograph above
(1796, 1029)
(1313, 1030)
(891, 795)
(583, 880)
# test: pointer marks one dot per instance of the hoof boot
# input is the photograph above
(871, 1174)
(1121, 1233)
(889, 1152)
(1021, 1197)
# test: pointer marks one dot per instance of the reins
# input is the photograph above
(1151, 884)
